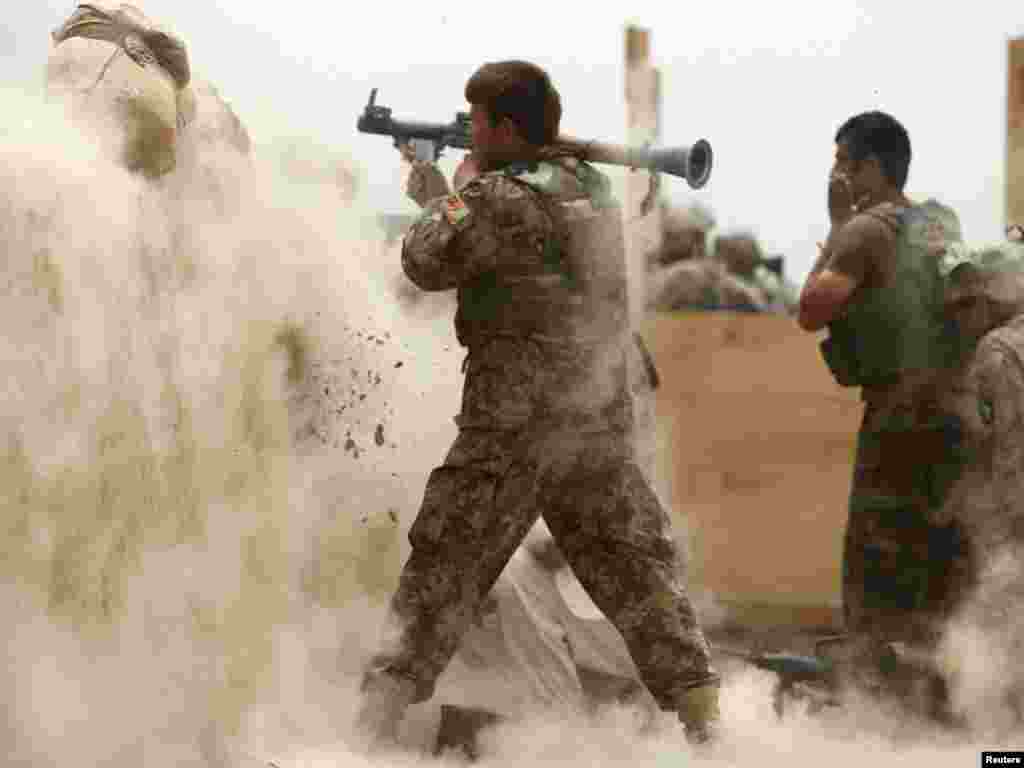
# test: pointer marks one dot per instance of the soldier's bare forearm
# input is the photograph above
(824, 252)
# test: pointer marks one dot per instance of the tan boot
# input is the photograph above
(698, 711)
(385, 699)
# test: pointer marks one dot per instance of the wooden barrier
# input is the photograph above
(756, 443)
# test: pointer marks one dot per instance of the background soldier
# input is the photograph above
(878, 287)
(534, 248)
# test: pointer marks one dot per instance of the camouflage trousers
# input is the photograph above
(607, 522)
(903, 575)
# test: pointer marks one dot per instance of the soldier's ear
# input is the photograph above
(874, 165)
(509, 130)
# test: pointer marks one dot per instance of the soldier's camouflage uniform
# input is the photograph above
(988, 397)
(900, 562)
(544, 428)
(988, 498)
(905, 567)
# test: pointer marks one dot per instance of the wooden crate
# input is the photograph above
(756, 443)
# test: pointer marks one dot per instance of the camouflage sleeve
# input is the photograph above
(457, 237)
(425, 183)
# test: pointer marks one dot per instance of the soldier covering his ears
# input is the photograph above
(878, 287)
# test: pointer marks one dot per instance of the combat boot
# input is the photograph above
(699, 713)
(384, 701)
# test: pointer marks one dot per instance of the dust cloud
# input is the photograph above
(220, 407)
(215, 429)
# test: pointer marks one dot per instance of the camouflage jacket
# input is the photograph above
(535, 354)
(988, 397)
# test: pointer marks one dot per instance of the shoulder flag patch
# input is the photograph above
(455, 209)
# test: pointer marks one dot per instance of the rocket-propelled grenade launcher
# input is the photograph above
(692, 163)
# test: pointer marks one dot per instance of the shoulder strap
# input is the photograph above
(892, 215)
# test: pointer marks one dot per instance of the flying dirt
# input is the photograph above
(220, 409)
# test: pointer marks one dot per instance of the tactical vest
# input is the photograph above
(898, 327)
(576, 291)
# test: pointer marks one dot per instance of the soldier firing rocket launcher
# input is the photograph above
(429, 139)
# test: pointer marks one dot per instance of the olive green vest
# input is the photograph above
(899, 327)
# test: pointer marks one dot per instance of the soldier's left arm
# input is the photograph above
(455, 238)
(850, 255)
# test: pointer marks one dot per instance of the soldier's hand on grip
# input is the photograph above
(406, 150)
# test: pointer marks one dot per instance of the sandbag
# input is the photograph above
(214, 124)
(212, 158)
(125, 77)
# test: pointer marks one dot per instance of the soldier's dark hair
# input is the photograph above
(521, 92)
(882, 135)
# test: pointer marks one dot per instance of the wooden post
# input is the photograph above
(1015, 132)
(643, 232)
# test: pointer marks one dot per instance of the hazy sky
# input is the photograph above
(766, 83)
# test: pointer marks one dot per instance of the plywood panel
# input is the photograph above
(757, 444)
